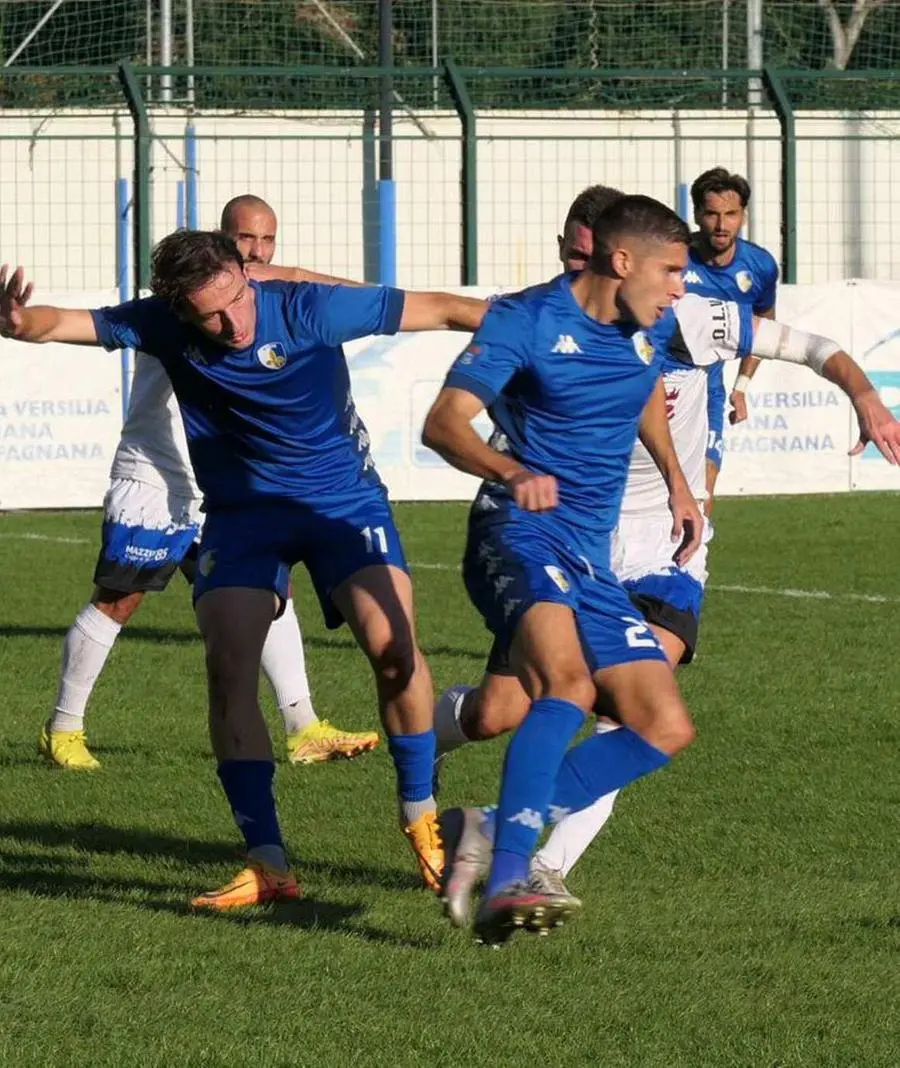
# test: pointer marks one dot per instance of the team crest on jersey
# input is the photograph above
(642, 347)
(470, 355)
(272, 355)
(558, 577)
(744, 281)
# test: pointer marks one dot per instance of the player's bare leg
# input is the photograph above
(234, 622)
(86, 647)
(377, 603)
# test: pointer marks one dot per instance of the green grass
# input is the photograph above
(741, 907)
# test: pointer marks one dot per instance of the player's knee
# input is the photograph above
(119, 607)
(394, 662)
(572, 685)
(499, 712)
(669, 729)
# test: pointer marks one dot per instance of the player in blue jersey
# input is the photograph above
(565, 370)
(722, 264)
(283, 462)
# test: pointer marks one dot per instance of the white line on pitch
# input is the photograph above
(763, 591)
(45, 537)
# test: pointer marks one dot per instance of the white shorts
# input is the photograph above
(670, 596)
(147, 532)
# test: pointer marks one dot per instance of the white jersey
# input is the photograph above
(645, 490)
(153, 447)
(708, 331)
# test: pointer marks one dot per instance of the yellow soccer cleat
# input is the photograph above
(66, 749)
(320, 742)
(425, 837)
(257, 884)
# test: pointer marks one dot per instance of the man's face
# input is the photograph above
(253, 230)
(720, 220)
(224, 309)
(575, 246)
(650, 273)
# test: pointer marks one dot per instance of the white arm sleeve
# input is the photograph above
(775, 341)
(710, 329)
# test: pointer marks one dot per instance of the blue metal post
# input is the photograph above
(387, 232)
(684, 203)
(123, 281)
(179, 205)
(191, 199)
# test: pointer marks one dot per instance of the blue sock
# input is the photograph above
(413, 756)
(601, 764)
(248, 787)
(529, 775)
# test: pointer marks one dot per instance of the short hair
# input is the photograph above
(636, 216)
(719, 180)
(186, 260)
(590, 204)
(245, 200)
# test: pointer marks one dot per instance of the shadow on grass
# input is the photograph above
(65, 876)
(163, 636)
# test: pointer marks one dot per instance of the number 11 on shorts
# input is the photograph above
(376, 541)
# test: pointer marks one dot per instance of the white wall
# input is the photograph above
(57, 177)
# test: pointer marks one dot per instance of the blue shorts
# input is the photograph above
(515, 560)
(257, 546)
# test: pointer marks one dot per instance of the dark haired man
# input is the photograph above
(566, 370)
(722, 264)
(151, 524)
(283, 462)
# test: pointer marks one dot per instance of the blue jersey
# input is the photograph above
(751, 278)
(276, 420)
(566, 392)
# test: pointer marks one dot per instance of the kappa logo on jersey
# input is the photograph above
(567, 345)
(744, 281)
(691, 278)
(272, 355)
(193, 355)
(642, 347)
(558, 577)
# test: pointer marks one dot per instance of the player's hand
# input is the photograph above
(14, 295)
(533, 492)
(738, 402)
(878, 425)
(687, 523)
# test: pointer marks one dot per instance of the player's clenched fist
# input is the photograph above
(14, 295)
(533, 492)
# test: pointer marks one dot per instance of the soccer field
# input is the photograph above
(741, 908)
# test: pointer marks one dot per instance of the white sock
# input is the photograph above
(573, 834)
(448, 731)
(85, 650)
(284, 665)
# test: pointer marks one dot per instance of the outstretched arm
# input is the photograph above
(773, 340)
(40, 323)
(654, 432)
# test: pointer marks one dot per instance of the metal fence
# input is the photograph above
(92, 173)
